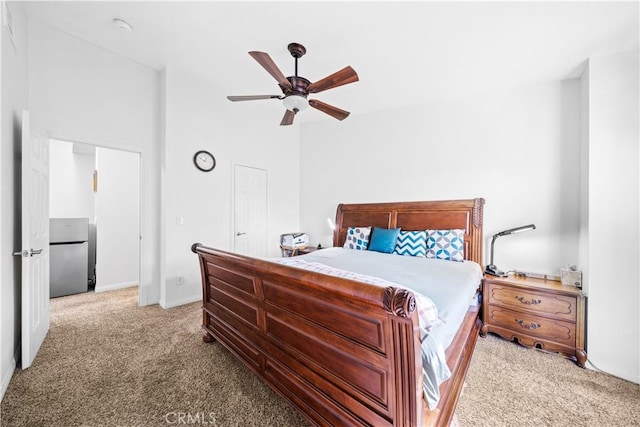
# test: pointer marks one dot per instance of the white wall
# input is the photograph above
(196, 119)
(614, 215)
(14, 88)
(71, 181)
(583, 235)
(117, 219)
(81, 93)
(518, 149)
(561, 155)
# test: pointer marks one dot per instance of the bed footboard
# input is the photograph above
(341, 352)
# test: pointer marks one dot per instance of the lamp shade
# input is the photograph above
(517, 230)
(491, 268)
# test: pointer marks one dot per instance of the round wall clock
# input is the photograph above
(204, 161)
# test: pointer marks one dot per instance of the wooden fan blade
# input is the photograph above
(287, 119)
(329, 109)
(252, 97)
(339, 78)
(267, 63)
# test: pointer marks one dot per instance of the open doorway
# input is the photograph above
(100, 187)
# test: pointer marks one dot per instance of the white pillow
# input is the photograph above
(445, 244)
(357, 238)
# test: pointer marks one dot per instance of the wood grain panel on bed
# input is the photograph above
(441, 215)
(348, 324)
(337, 344)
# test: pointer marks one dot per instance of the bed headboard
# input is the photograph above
(436, 215)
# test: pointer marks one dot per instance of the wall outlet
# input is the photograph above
(180, 280)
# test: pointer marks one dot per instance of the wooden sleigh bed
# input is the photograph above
(342, 352)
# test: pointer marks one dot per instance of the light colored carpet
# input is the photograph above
(107, 362)
(510, 385)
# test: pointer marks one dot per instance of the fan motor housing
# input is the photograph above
(298, 86)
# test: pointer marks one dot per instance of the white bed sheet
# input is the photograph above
(450, 285)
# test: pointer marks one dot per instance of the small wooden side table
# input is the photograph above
(535, 313)
(289, 251)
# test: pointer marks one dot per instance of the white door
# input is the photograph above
(250, 211)
(35, 241)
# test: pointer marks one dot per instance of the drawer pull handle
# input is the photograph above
(531, 326)
(531, 302)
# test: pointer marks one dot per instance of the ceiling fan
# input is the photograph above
(295, 89)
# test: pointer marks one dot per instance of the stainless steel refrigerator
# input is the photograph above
(69, 249)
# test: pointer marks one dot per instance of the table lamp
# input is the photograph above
(491, 268)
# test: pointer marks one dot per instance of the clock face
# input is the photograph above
(204, 161)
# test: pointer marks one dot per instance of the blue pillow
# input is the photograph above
(383, 239)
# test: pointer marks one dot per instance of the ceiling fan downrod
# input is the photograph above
(297, 51)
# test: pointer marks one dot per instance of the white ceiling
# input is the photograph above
(405, 53)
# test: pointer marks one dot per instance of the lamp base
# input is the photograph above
(494, 271)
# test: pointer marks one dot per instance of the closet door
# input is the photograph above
(250, 211)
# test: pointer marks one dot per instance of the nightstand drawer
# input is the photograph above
(551, 305)
(558, 331)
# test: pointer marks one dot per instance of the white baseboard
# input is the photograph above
(113, 286)
(8, 374)
(181, 301)
(624, 375)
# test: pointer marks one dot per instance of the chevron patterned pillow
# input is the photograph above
(411, 243)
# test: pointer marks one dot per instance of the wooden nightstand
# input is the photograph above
(288, 251)
(536, 313)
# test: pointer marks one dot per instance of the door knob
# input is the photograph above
(30, 252)
(240, 233)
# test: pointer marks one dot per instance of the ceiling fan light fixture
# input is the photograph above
(295, 103)
(296, 89)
